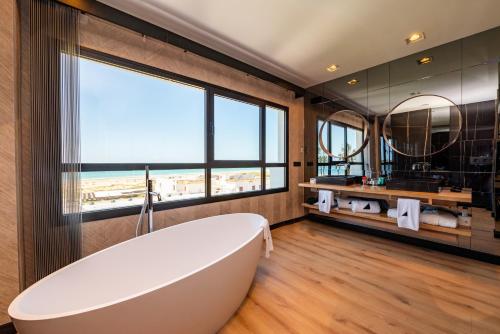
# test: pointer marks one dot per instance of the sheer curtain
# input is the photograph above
(49, 138)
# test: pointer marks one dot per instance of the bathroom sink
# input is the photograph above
(339, 180)
(415, 184)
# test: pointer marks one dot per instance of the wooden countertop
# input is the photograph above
(445, 195)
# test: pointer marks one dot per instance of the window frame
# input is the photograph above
(210, 163)
(385, 154)
(331, 162)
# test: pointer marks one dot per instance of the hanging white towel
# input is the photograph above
(325, 200)
(268, 238)
(408, 213)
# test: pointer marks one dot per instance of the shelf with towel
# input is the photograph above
(382, 193)
(378, 218)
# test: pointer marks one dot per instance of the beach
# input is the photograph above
(106, 190)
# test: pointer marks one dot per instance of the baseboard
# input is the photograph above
(287, 222)
(468, 253)
(8, 328)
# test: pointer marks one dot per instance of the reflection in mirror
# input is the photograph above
(422, 125)
(349, 134)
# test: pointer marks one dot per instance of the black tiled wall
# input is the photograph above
(458, 163)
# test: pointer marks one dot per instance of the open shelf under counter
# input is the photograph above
(381, 192)
(376, 219)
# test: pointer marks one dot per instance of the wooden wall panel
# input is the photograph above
(483, 226)
(103, 36)
(9, 277)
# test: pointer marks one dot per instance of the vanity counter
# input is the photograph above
(453, 236)
(379, 191)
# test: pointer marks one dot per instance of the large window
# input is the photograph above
(386, 157)
(341, 140)
(201, 143)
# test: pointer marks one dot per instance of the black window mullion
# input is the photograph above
(105, 167)
(262, 147)
(210, 133)
(329, 146)
(286, 153)
(345, 143)
(276, 164)
(363, 154)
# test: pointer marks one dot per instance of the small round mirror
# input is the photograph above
(345, 145)
(422, 125)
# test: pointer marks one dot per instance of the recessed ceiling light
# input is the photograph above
(332, 68)
(415, 37)
(353, 82)
(424, 60)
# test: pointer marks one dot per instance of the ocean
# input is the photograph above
(127, 173)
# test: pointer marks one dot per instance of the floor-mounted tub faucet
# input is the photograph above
(148, 205)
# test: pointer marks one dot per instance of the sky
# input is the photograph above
(354, 139)
(130, 117)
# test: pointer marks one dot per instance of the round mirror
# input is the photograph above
(422, 125)
(344, 144)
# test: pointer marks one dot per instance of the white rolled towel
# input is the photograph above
(447, 219)
(444, 219)
(429, 217)
(392, 213)
(344, 203)
(365, 206)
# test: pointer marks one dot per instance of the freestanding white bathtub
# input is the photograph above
(188, 278)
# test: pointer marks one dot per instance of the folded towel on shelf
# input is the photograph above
(365, 206)
(392, 213)
(344, 203)
(408, 213)
(436, 217)
(430, 216)
(325, 200)
(447, 219)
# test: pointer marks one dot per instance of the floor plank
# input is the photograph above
(321, 279)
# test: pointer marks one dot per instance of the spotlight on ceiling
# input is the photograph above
(353, 82)
(415, 37)
(424, 60)
(332, 68)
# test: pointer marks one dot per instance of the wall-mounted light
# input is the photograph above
(353, 82)
(415, 37)
(424, 60)
(332, 68)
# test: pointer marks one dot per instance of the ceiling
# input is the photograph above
(297, 39)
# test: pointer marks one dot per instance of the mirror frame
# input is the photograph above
(432, 153)
(366, 134)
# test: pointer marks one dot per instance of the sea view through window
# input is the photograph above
(131, 119)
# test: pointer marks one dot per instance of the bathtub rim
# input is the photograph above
(15, 313)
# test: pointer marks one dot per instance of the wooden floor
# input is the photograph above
(321, 279)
